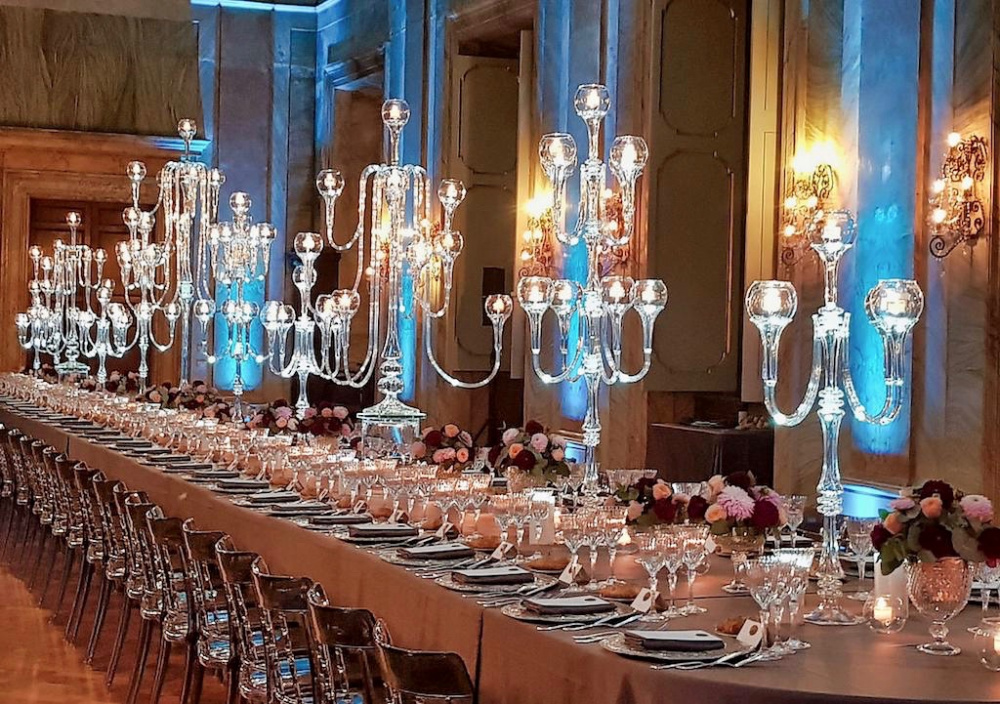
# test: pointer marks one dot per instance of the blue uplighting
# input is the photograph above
(224, 371)
(862, 501)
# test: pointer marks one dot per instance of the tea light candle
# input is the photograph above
(988, 643)
(882, 612)
(885, 613)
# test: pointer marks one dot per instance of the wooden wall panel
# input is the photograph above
(697, 189)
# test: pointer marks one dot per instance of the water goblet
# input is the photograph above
(650, 556)
(986, 579)
(694, 556)
(671, 543)
(795, 506)
(859, 537)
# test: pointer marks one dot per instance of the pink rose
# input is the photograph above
(634, 510)
(327, 412)
(448, 452)
(931, 506)
(281, 422)
(558, 454)
(715, 513)
(716, 484)
(977, 507)
(340, 412)
(465, 438)
(894, 522)
(437, 457)
(155, 397)
(903, 503)
(462, 455)
(510, 435)
(558, 441)
(418, 450)
(515, 450)
(283, 412)
(539, 442)
(346, 430)
(661, 490)
(310, 412)
(451, 430)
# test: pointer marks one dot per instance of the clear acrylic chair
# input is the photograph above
(422, 677)
(245, 621)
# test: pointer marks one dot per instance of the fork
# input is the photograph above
(724, 661)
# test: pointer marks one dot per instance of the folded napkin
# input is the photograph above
(568, 605)
(382, 530)
(273, 497)
(243, 483)
(302, 507)
(440, 551)
(504, 574)
(214, 474)
(678, 641)
(170, 459)
(191, 466)
(340, 519)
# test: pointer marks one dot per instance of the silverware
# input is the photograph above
(614, 620)
(730, 660)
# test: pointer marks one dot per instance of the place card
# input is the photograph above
(710, 545)
(445, 529)
(399, 516)
(644, 601)
(571, 572)
(503, 550)
(360, 507)
(751, 634)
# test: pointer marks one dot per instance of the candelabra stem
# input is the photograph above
(592, 429)
(302, 404)
(185, 344)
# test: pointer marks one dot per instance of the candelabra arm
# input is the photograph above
(770, 377)
(611, 351)
(498, 326)
(894, 377)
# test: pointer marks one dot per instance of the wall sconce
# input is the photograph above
(956, 214)
(538, 253)
(807, 197)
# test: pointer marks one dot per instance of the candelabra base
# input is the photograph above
(389, 428)
(66, 368)
(831, 613)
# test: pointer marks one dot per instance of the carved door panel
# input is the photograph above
(483, 154)
(697, 177)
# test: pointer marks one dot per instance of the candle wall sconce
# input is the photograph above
(538, 255)
(956, 213)
(809, 187)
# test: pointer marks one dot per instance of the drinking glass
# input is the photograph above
(795, 506)
(650, 556)
(800, 560)
(671, 543)
(939, 590)
(612, 526)
(571, 534)
(986, 579)
(694, 556)
(859, 537)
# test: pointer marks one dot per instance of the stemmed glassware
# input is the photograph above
(939, 590)
(859, 537)
(650, 556)
(694, 556)
(612, 526)
(800, 561)
(572, 534)
(671, 544)
(795, 506)
(986, 578)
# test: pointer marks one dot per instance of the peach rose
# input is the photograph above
(894, 522)
(451, 430)
(931, 506)
(714, 513)
(634, 510)
(515, 450)
(558, 454)
(462, 455)
(661, 490)
(716, 484)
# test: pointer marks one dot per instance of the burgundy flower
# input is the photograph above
(937, 540)
(525, 460)
(744, 480)
(765, 515)
(645, 484)
(880, 535)
(665, 510)
(944, 491)
(433, 439)
(533, 426)
(494, 455)
(989, 543)
(697, 507)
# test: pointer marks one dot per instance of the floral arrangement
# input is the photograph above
(277, 417)
(449, 447)
(324, 420)
(935, 521)
(532, 450)
(118, 383)
(653, 502)
(737, 501)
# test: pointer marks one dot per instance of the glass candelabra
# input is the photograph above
(55, 322)
(593, 349)
(188, 203)
(404, 238)
(238, 255)
(893, 307)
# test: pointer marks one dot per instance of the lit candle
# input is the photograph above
(535, 295)
(648, 295)
(629, 156)
(966, 183)
(617, 291)
(953, 139)
(770, 302)
(498, 305)
(938, 185)
(593, 100)
(996, 643)
(894, 303)
(883, 611)
(939, 215)
(831, 233)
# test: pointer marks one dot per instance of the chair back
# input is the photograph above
(202, 568)
(244, 617)
(345, 652)
(414, 676)
(167, 550)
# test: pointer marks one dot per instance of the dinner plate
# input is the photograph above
(448, 583)
(616, 644)
(392, 556)
(517, 611)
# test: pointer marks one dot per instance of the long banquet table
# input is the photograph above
(513, 663)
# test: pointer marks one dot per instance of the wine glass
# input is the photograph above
(795, 506)
(650, 556)
(939, 590)
(693, 557)
(671, 544)
(800, 560)
(612, 525)
(986, 578)
(571, 534)
(859, 537)
(757, 574)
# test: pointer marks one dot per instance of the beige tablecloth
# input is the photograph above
(513, 663)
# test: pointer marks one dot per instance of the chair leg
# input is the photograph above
(190, 661)
(10, 513)
(44, 545)
(82, 588)
(116, 651)
(50, 562)
(162, 663)
(145, 636)
(232, 686)
(30, 535)
(102, 608)
(197, 680)
(69, 560)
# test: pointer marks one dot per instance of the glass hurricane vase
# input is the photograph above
(939, 590)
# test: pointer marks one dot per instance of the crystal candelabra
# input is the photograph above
(145, 272)
(403, 238)
(56, 323)
(188, 203)
(602, 302)
(893, 307)
(238, 255)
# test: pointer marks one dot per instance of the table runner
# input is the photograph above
(513, 663)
